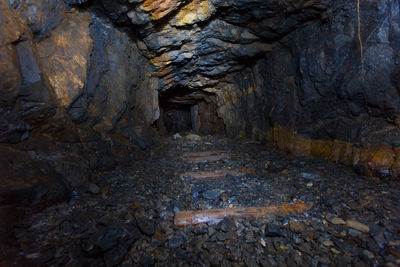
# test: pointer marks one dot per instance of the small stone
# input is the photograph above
(221, 236)
(177, 136)
(161, 254)
(160, 236)
(357, 226)
(296, 239)
(273, 230)
(262, 241)
(33, 256)
(249, 237)
(338, 220)
(355, 233)
(199, 230)
(309, 176)
(267, 164)
(369, 254)
(335, 251)
(175, 242)
(93, 188)
(211, 194)
(226, 225)
(379, 239)
(296, 227)
(328, 243)
(192, 137)
(145, 226)
(308, 235)
(105, 190)
(211, 231)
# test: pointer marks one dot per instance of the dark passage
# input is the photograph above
(177, 119)
(187, 112)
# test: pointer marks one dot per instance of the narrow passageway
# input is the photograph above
(129, 216)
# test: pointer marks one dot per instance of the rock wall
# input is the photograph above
(322, 93)
(76, 97)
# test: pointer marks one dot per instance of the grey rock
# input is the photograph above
(309, 176)
(175, 242)
(114, 256)
(211, 194)
(93, 188)
(273, 230)
(145, 226)
(226, 225)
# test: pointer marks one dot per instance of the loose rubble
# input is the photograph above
(126, 217)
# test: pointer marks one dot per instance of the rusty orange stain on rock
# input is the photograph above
(65, 56)
(194, 11)
(160, 8)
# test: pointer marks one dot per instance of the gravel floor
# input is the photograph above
(126, 216)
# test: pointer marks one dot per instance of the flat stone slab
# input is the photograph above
(193, 217)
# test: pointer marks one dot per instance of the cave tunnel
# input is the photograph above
(190, 112)
(199, 133)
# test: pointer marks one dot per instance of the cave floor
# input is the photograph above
(126, 217)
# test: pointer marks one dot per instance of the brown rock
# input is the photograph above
(295, 226)
(65, 56)
(26, 99)
(358, 226)
(160, 8)
(338, 220)
(41, 16)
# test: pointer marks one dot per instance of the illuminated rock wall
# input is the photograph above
(81, 80)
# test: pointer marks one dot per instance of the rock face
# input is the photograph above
(310, 77)
(66, 110)
(316, 78)
(324, 94)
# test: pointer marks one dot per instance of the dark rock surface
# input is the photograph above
(66, 109)
(26, 99)
(321, 88)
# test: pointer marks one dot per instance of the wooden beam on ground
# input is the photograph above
(203, 153)
(217, 173)
(193, 217)
(212, 158)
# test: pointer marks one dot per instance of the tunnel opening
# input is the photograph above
(183, 111)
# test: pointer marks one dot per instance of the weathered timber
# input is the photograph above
(203, 153)
(212, 158)
(217, 173)
(193, 217)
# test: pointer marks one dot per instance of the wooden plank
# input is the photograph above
(212, 158)
(217, 173)
(193, 217)
(203, 153)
